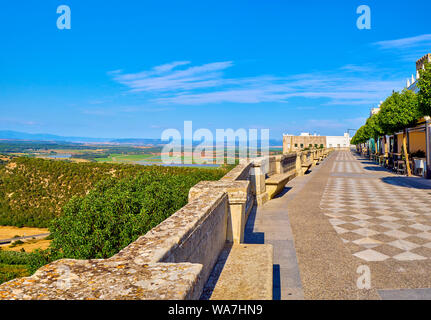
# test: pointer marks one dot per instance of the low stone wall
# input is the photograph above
(171, 261)
(174, 259)
(292, 164)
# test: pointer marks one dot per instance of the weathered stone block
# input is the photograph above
(247, 274)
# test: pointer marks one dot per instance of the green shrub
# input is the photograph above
(115, 213)
(16, 242)
(9, 272)
(39, 258)
(13, 257)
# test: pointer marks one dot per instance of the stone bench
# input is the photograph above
(243, 272)
(275, 183)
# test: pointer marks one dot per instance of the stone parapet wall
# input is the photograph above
(240, 172)
(171, 261)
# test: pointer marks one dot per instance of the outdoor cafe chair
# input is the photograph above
(401, 166)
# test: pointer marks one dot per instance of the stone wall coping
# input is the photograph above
(239, 172)
(261, 161)
(159, 242)
(237, 190)
(104, 279)
(140, 262)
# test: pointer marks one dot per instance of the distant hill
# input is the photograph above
(16, 135)
(138, 141)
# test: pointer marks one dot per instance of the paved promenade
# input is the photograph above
(347, 213)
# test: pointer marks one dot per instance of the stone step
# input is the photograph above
(247, 273)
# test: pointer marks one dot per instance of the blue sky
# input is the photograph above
(135, 68)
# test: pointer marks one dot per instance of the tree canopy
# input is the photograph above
(399, 111)
(373, 127)
(360, 136)
(117, 212)
(424, 85)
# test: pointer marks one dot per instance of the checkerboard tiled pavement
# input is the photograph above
(377, 220)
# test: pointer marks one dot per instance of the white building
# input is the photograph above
(338, 141)
(413, 81)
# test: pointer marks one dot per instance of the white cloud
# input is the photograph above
(404, 43)
(165, 78)
(205, 84)
(122, 110)
(356, 68)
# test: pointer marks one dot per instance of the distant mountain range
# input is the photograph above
(16, 135)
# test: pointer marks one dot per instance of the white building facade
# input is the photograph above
(338, 141)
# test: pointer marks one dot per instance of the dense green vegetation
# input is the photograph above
(21, 264)
(34, 191)
(9, 272)
(115, 213)
(13, 265)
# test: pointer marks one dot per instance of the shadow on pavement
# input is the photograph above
(368, 162)
(376, 168)
(408, 182)
(215, 273)
(249, 235)
(276, 284)
(283, 192)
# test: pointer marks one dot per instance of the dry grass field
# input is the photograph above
(7, 232)
(28, 245)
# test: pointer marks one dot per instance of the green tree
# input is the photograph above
(424, 85)
(115, 213)
(397, 113)
(358, 139)
(372, 129)
(361, 136)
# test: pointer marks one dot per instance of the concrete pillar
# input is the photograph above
(238, 193)
(279, 163)
(258, 176)
(299, 164)
(236, 222)
(314, 157)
